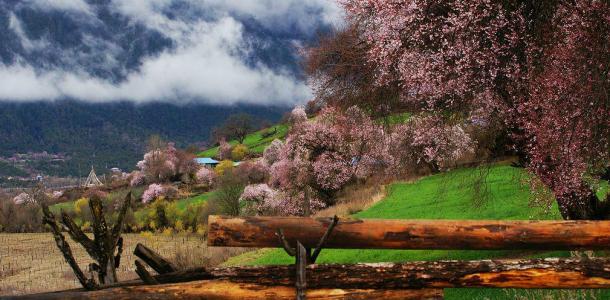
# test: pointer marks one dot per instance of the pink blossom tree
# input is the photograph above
(259, 199)
(153, 192)
(271, 154)
(537, 70)
(298, 115)
(224, 150)
(206, 176)
(427, 141)
(321, 156)
(137, 178)
(165, 164)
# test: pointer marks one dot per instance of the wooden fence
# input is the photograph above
(304, 238)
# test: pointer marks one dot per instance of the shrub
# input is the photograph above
(80, 205)
(227, 195)
(223, 167)
(20, 217)
(239, 152)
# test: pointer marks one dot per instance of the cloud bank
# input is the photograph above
(212, 60)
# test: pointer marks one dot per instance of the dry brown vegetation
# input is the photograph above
(31, 262)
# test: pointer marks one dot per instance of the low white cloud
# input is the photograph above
(66, 5)
(207, 63)
(275, 14)
(202, 69)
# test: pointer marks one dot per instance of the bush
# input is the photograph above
(196, 215)
(239, 152)
(223, 167)
(20, 217)
(226, 198)
(80, 205)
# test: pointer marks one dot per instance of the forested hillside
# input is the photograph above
(106, 135)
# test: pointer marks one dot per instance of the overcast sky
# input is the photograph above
(207, 63)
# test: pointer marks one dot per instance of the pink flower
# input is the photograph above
(23, 198)
(153, 192)
(206, 176)
(298, 115)
(137, 178)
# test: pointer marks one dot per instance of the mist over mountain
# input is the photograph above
(81, 75)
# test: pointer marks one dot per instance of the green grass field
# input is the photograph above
(450, 195)
(254, 141)
(196, 200)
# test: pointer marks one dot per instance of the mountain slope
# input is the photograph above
(107, 135)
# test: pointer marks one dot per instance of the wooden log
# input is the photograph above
(154, 260)
(260, 232)
(222, 289)
(144, 274)
(512, 273)
(527, 273)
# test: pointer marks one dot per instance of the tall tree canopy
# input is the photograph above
(537, 70)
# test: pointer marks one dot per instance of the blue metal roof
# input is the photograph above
(206, 161)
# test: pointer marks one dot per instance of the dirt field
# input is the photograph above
(31, 262)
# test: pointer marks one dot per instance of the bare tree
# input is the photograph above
(105, 248)
(236, 127)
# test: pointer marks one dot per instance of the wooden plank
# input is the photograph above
(260, 232)
(154, 260)
(223, 289)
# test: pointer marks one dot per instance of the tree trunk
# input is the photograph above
(577, 207)
(110, 271)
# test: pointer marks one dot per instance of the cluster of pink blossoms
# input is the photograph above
(23, 198)
(153, 192)
(321, 156)
(205, 176)
(160, 164)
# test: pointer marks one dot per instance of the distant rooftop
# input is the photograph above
(206, 161)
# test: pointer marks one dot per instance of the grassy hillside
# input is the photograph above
(445, 196)
(255, 142)
(181, 204)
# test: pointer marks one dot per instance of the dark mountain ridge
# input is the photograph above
(110, 134)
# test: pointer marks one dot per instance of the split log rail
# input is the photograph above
(306, 237)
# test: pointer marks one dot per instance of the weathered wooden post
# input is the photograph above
(105, 248)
